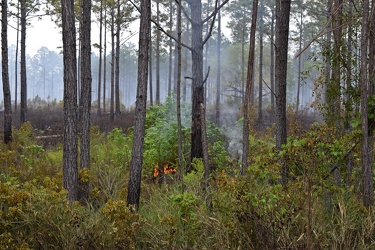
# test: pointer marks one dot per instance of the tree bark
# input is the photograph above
(23, 63)
(282, 32)
(248, 89)
(112, 106)
(157, 62)
(5, 73)
(134, 186)
(70, 152)
(86, 81)
(197, 78)
(366, 154)
(218, 80)
(117, 70)
(99, 111)
(260, 80)
(272, 64)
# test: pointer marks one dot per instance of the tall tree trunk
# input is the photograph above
(134, 186)
(218, 80)
(70, 149)
(333, 88)
(299, 62)
(170, 48)
(328, 48)
(86, 81)
(99, 111)
(272, 64)
(117, 72)
(248, 89)
(150, 72)
(157, 63)
(23, 63)
(206, 163)
(105, 63)
(197, 78)
(112, 107)
(16, 60)
(366, 154)
(5, 73)
(260, 98)
(282, 32)
(178, 101)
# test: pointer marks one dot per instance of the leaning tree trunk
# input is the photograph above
(134, 186)
(70, 149)
(248, 89)
(5, 73)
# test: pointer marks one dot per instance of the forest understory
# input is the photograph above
(318, 209)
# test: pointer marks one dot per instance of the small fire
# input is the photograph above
(166, 170)
(169, 170)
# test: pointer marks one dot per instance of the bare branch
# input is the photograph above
(215, 11)
(185, 12)
(161, 28)
(206, 77)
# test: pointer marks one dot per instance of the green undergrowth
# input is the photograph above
(319, 207)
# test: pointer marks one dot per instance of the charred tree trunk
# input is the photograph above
(157, 63)
(218, 80)
(260, 80)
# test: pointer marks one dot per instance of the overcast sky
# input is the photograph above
(45, 33)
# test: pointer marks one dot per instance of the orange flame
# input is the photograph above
(169, 170)
(156, 172)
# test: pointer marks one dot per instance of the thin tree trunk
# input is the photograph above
(206, 180)
(134, 186)
(157, 63)
(5, 73)
(23, 63)
(299, 62)
(117, 70)
(112, 107)
(218, 80)
(16, 60)
(248, 90)
(260, 97)
(178, 101)
(105, 63)
(170, 48)
(99, 111)
(272, 64)
(150, 72)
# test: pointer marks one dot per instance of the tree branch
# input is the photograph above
(161, 28)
